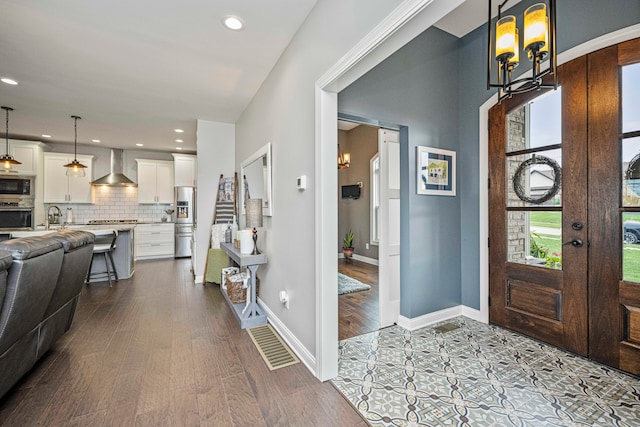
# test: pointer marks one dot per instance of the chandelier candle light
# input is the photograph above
(7, 160)
(254, 219)
(75, 168)
(539, 43)
(344, 159)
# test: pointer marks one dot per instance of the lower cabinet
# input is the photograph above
(155, 241)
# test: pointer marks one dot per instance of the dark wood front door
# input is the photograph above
(563, 210)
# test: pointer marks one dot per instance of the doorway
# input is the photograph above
(562, 194)
(374, 217)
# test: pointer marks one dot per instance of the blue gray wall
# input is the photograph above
(435, 86)
(416, 87)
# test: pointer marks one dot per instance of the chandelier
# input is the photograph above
(75, 168)
(344, 159)
(539, 44)
(7, 160)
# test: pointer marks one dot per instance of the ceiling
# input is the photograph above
(470, 15)
(136, 70)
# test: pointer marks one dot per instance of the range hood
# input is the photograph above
(116, 177)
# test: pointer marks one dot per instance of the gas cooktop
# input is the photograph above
(112, 221)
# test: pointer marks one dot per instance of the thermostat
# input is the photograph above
(301, 182)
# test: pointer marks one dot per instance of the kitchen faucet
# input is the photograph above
(50, 216)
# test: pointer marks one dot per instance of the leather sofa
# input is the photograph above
(40, 283)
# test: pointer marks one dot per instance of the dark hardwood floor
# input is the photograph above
(158, 350)
(358, 311)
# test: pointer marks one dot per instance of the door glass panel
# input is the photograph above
(534, 179)
(535, 238)
(630, 98)
(631, 172)
(631, 246)
(536, 124)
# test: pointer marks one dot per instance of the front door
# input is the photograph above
(561, 187)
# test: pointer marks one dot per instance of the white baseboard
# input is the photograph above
(473, 314)
(439, 316)
(361, 258)
(199, 280)
(300, 350)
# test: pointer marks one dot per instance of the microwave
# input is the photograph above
(16, 187)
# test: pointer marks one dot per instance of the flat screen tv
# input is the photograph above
(351, 191)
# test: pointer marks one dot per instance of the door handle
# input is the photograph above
(575, 243)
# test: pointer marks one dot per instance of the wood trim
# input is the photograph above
(604, 202)
(573, 79)
(629, 52)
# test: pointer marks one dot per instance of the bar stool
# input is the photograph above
(105, 244)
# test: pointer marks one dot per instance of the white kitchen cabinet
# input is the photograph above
(155, 240)
(155, 181)
(185, 170)
(27, 153)
(60, 188)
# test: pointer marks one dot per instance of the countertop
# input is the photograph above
(42, 232)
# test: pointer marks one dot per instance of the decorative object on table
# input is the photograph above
(253, 220)
(237, 286)
(539, 44)
(75, 168)
(347, 245)
(170, 213)
(524, 171)
(436, 171)
(347, 285)
(7, 160)
(246, 241)
(227, 234)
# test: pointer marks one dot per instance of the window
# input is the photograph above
(375, 199)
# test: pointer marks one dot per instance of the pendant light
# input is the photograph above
(7, 160)
(75, 168)
(539, 43)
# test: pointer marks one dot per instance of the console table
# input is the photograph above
(253, 315)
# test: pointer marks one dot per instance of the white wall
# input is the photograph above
(283, 113)
(216, 155)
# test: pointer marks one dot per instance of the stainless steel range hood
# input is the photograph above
(116, 177)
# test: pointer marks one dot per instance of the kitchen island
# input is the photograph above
(123, 255)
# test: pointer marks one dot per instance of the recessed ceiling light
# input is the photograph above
(140, 145)
(178, 148)
(178, 130)
(233, 22)
(179, 140)
(44, 135)
(8, 81)
(95, 140)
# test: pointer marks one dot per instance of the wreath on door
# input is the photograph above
(519, 184)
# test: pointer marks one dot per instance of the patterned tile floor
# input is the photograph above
(479, 375)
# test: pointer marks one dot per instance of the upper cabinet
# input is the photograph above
(155, 181)
(60, 188)
(27, 153)
(185, 168)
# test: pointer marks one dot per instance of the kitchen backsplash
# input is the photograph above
(114, 203)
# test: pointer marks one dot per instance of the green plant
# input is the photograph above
(536, 249)
(347, 242)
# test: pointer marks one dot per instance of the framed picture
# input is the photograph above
(436, 171)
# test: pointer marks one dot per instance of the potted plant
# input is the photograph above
(347, 245)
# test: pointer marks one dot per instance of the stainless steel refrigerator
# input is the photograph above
(185, 214)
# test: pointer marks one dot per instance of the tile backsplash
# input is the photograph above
(114, 203)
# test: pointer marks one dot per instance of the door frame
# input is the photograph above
(585, 48)
(403, 24)
(386, 309)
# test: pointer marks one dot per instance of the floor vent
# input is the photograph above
(273, 350)
(446, 327)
